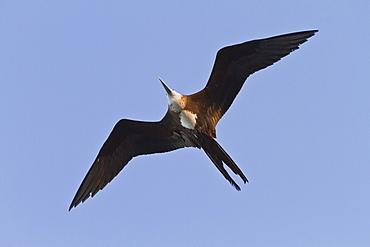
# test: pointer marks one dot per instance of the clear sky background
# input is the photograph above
(299, 129)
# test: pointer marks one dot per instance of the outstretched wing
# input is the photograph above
(128, 139)
(235, 63)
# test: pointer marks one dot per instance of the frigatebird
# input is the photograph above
(190, 120)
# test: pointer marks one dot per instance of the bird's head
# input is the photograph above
(175, 99)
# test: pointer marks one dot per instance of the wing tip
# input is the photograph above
(312, 32)
(74, 204)
(79, 199)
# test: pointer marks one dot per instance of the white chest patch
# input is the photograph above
(188, 119)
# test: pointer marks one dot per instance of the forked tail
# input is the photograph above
(218, 155)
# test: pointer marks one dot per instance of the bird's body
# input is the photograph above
(191, 119)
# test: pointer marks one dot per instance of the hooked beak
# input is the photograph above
(168, 90)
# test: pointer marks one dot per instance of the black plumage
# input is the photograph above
(191, 119)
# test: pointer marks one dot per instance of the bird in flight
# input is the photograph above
(190, 120)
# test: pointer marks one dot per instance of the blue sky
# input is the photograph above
(299, 129)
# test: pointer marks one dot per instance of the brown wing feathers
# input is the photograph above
(235, 63)
(232, 67)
